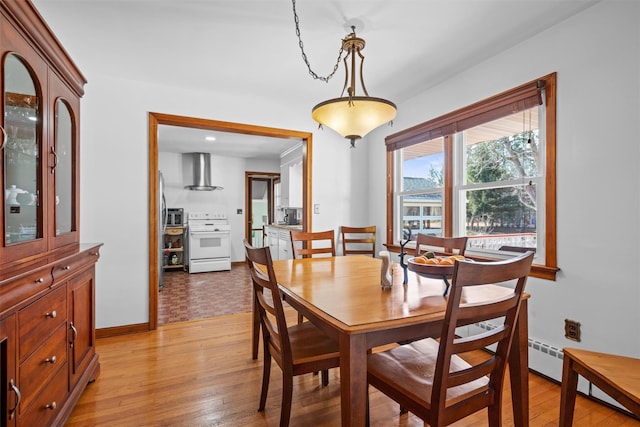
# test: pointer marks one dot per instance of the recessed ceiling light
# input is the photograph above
(210, 138)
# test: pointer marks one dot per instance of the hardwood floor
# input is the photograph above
(200, 373)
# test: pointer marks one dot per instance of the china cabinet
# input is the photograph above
(47, 277)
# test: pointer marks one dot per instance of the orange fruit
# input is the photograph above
(446, 261)
(420, 260)
(432, 261)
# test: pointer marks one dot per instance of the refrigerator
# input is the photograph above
(162, 224)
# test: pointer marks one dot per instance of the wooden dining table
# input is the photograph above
(343, 297)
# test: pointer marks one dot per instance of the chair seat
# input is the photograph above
(310, 345)
(410, 368)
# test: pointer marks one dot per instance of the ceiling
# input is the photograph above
(251, 46)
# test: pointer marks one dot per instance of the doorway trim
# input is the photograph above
(156, 119)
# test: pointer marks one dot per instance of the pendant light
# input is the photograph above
(351, 116)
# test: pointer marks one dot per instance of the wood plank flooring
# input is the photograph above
(200, 373)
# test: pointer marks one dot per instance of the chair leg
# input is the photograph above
(568, 392)
(266, 373)
(300, 318)
(325, 377)
(287, 393)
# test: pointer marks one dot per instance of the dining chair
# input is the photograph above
(302, 243)
(618, 376)
(297, 349)
(440, 245)
(358, 240)
(430, 378)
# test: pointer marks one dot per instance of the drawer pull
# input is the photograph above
(52, 314)
(66, 268)
(40, 280)
(52, 360)
(53, 405)
(16, 390)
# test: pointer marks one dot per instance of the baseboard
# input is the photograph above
(122, 330)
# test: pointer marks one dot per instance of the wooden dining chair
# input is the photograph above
(298, 349)
(431, 379)
(358, 240)
(440, 245)
(303, 243)
(618, 376)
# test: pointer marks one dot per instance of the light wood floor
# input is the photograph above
(200, 373)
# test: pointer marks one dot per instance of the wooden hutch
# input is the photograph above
(47, 278)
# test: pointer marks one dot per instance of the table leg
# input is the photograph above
(519, 368)
(568, 392)
(353, 379)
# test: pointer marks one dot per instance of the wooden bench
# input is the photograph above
(618, 376)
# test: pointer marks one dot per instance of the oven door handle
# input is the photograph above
(200, 234)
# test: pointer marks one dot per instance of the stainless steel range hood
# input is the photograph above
(201, 173)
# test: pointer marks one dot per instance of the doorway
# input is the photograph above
(157, 119)
(260, 205)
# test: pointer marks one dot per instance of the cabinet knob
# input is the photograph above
(53, 405)
(40, 280)
(66, 268)
(52, 314)
(52, 360)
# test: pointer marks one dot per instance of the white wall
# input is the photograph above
(597, 57)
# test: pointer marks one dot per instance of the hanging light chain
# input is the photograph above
(304, 55)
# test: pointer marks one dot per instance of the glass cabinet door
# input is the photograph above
(22, 153)
(63, 168)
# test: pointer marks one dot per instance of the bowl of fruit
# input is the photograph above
(430, 264)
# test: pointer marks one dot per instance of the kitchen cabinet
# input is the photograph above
(47, 277)
(279, 239)
(173, 257)
(291, 183)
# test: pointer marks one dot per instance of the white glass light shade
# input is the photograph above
(354, 117)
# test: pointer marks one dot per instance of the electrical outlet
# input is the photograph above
(316, 208)
(572, 330)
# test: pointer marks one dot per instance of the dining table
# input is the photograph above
(343, 296)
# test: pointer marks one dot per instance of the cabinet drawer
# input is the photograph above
(22, 287)
(48, 403)
(38, 320)
(68, 266)
(43, 364)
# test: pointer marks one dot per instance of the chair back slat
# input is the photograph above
(358, 240)
(302, 243)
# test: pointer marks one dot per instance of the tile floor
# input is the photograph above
(187, 296)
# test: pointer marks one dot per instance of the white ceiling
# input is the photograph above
(251, 46)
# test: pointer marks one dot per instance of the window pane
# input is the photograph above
(422, 213)
(501, 218)
(503, 150)
(423, 166)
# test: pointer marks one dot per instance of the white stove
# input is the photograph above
(209, 243)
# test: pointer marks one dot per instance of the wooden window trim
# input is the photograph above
(512, 101)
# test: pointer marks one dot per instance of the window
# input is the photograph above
(486, 171)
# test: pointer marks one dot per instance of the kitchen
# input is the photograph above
(203, 185)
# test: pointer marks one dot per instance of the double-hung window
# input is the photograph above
(486, 171)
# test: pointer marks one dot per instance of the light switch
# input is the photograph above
(316, 208)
